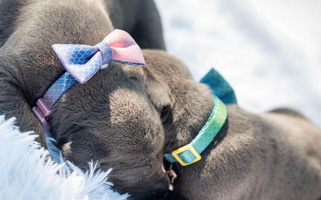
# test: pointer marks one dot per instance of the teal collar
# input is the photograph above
(190, 153)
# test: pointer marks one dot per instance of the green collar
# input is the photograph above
(222, 91)
(190, 153)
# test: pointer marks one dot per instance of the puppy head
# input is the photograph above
(127, 117)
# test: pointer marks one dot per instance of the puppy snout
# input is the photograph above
(143, 182)
(162, 184)
(152, 191)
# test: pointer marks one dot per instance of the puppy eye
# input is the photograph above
(62, 141)
(166, 113)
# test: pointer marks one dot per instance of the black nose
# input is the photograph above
(151, 195)
(161, 190)
(151, 191)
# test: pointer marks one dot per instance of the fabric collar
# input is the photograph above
(222, 92)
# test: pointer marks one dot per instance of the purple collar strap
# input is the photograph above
(83, 61)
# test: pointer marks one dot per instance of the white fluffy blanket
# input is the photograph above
(27, 172)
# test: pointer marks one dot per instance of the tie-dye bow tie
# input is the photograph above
(83, 61)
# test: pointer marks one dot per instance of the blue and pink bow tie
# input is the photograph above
(83, 61)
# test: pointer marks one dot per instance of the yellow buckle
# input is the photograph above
(183, 149)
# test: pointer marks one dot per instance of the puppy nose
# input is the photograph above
(149, 195)
(149, 189)
(163, 183)
(160, 188)
(158, 195)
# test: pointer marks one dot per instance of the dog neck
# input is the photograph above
(190, 153)
(222, 92)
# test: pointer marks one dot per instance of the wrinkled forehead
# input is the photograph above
(118, 75)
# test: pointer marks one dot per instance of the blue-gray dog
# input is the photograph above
(127, 117)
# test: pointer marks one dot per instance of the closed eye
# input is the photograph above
(62, 141)
(166, 113)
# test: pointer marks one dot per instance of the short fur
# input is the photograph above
(28, 28)
(127, 117)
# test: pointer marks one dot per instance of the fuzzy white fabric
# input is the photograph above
(27, 172)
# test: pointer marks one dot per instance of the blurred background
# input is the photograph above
(269, 51)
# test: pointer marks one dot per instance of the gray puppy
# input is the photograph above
(127, 117)
(28, 66)
(276, 155)
(28, 28)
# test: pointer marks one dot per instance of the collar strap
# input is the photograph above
(190, 153)
(83, 61)
(44, 104)
(219, 86)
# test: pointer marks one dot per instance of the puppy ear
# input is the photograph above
(158, 91)
(14, 104)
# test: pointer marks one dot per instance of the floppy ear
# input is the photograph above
(157, 90)
(14, 104)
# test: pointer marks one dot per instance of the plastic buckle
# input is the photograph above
(41, 111)
(183, 149)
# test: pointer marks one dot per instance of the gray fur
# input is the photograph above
(127, 117)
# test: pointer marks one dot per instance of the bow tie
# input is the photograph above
(83, 61)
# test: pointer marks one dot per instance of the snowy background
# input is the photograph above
(269, 50)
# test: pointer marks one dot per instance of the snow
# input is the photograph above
(269, 51)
